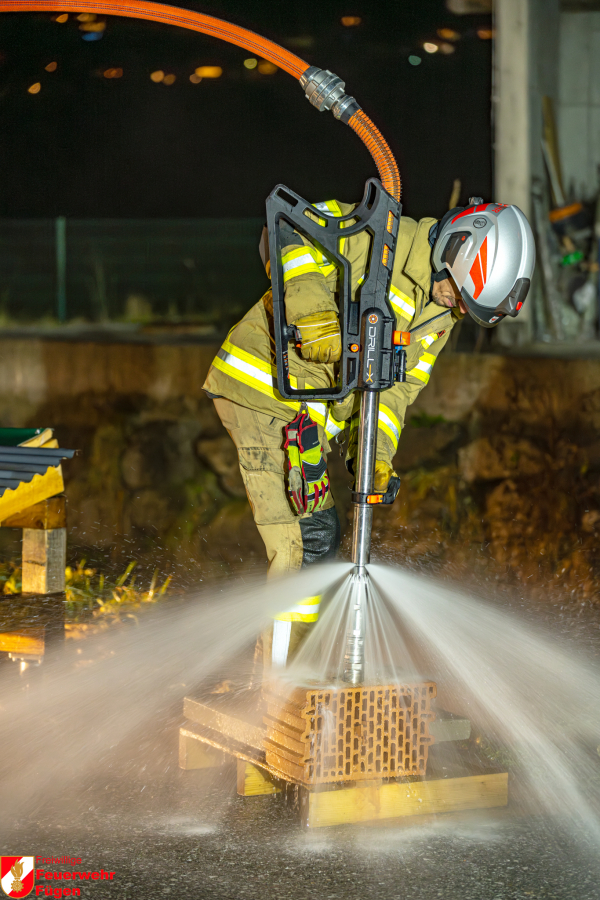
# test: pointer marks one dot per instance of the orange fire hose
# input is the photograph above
(359, 122)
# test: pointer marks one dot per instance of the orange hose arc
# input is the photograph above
(170, 15)
(233, 34)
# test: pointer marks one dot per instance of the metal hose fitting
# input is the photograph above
(324, 90)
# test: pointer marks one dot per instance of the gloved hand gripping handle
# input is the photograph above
(370, 361)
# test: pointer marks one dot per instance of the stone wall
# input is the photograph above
(500, 460)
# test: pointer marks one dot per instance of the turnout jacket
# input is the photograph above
(244, 369)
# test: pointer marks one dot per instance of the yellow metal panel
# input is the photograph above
(26, 494)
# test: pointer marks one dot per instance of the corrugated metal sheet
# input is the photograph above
(20, 464)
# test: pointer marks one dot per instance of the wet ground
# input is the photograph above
(167, 832)
(185, 834)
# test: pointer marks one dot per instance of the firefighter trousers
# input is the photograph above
(291, 541)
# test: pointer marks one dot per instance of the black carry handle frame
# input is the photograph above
(379, 215)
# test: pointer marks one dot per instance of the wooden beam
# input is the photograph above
(49, 513)
(195, 754)
(231, 726)
(44, 560)
(29, 641)
(252, 781)
(395, 800)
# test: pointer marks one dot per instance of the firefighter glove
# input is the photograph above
(383, 473)
(321, 339)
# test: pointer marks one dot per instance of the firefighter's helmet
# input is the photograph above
(489, 250)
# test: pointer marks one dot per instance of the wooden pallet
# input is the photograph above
(215, 733)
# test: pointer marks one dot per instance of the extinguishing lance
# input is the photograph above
(373, 356)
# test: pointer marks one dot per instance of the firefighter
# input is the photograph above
(476, 260)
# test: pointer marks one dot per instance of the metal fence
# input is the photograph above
(208, 270)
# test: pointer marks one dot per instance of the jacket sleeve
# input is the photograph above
(307, 289)
(394, 402)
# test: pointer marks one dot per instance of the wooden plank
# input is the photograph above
(26, 494)
(228, 725)
(50, 513)
(252, 781)
(416, 798)
(28, 641)
(44, 560)
(195, 753)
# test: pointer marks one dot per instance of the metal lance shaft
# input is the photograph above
(354, 658)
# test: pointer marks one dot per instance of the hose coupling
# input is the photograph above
(324, 90)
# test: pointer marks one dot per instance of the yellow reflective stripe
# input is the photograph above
(304, 611)
(428, 340)
(254, 372)
(328, 206)
(389, 424)
(333, 427)
(298, 261)
(326, 270)
(258, 374)
(318, 411)
(401, 303)
(331, 207)
(237, 369)
(422, 370)
(261, 364)
(361, 279)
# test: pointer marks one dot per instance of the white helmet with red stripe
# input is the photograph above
(489, 250)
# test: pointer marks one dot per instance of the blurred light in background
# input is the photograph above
(209, 71)
(486, 34)
(157, 76)
(251, 63)
(448, 34)
(350, 21)
(62, 18)
(169, 79)
(266, 68)
(428, 47)
(195, 79)
(92, 28)
(113, 73)
(34, 88)
(51, 67)
(302, 41)
(446, 49)
(414, 60)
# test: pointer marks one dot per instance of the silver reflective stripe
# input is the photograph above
(401, 303)
(306, 259)
(245, 367)
(281, 644)
(387, 420)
